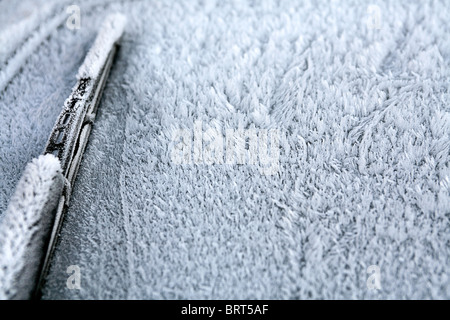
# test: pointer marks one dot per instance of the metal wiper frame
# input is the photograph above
(68, 141)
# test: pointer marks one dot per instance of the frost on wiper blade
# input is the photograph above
(26, 247)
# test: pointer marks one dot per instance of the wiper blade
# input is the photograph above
(54, 174)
